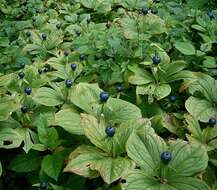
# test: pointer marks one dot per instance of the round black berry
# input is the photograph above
(156, 60)
(78, 33)
(43, 186)
(110, 131)
(82, 57)
(24, 109)
(108, 25)
(212, 121)
(44, 36)
(40, 71)
(104, 96)
(21, 74)
(66, 53)
(119, 88)
(154, 11)
(28, 90)
(144, 11)
(173, 98)
(210, 15)
(166, 156)
(68, 83)
(73, 66)
(58, 26)
(28, 34)
(22, 65)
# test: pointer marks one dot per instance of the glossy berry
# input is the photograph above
(28, 34)
(28, 90)
(73, 66)
(82, 57)
(110, 131)
(66, 53)
(144, 11)
(21, 74)
(33, 19)
(156, 60)
(154, 11)
(22, 65)
(43, 186)
(119, 88)
(173, 98)
(104, 96)
(166, 156)
(108, 25)
(78, 33)
(58, 26)
(212, 121)
(24, 109)
(210, 15)
(68, 83)
(44, 36)
(40, 71)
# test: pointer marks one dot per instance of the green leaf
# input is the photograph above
(69, 121)
(139, 180)
(188, 159)
(86, 97)
(7, 106)
(87, 160)
(94, 130)
(52, 164)
(11, 136)
(200, 108)
(48, 97)
(140, 76)
(120, 111)
(26, 162)
(145, 148)
(47, 136)
(185, 47)
(80, 161)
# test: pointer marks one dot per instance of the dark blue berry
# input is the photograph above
(78, 33)
(210, 15)
(144, 11)
(156, 60)
(28, 34)
(24, 109)
(28, 90)
(108, 25)
(154, 11)
(119, 88)
(22, 65)
(44, 36)
(43, 186)
(173, 98)
(68, 83)
(21, 74)
(40, 71)
(110, 131)
(73, 66)
(212, 121)
(104, 96)
(33, 19)
(66, 53)
(58, 26)
(82, 57)
(166, 156)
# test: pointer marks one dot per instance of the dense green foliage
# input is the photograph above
(108, 94)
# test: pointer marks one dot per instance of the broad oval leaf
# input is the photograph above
(48, 97)
(185, 47)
